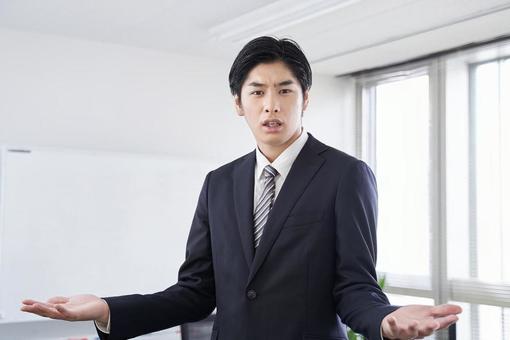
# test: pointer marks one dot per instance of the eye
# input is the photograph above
(257, 93)
(285, 91)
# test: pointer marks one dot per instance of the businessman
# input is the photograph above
(283, 240)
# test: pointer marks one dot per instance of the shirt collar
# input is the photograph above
(284, 161)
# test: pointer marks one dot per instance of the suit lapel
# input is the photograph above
(301, 173)
(243, 202)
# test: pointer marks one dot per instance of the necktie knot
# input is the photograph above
(269, 171)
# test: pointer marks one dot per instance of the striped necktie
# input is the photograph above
(265, 203)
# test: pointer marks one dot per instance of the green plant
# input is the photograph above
(355, 336)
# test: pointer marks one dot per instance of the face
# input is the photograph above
(272, 103)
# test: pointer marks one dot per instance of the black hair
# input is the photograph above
(267, 50)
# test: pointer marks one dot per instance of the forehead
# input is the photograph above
(270, 73)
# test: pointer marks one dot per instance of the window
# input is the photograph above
(437, 135)
(401, 162)
(490, 171)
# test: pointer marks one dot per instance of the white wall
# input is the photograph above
(331, 114)
(64, 92)
(80, 94)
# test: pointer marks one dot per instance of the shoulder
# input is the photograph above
(341, 165)
(333, 156)
(228, 168)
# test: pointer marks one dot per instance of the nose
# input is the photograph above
(271, 104)
(274, 110)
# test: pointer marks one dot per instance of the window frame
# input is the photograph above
(439, 288)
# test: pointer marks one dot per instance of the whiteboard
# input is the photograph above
(103, 223)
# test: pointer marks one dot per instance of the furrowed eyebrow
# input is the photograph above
(283, 83)
(255, 84)
(286, 82)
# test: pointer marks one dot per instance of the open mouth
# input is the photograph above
(272, 123)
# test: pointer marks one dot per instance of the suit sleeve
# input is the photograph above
(192, 298)
(360, 302)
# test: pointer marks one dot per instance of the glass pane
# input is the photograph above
(490, 322)
(491, 182)
(402, 300)
(464, 323)
(457, 168)
(402, 167)
(506, 323)
(505, 169)
(480, 322)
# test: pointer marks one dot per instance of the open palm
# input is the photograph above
(75, 308)
(418, 321)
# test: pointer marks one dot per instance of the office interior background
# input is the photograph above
(103, 104)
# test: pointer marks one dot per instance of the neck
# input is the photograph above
(273, 151)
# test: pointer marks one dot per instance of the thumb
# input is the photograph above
(388, 326)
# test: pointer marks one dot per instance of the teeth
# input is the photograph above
(273, 124)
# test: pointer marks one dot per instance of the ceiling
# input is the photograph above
(338, 36)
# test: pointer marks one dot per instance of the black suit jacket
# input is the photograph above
(313, 270)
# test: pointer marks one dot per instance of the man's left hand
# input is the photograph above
(418, 321)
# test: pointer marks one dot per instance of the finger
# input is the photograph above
(388, 326)
(446, 321)
(29, 302)
(412, 329)
(58, 299)
(29, 308)
(391, 326)
(446, 309)
(66, 313)
(392, 322)
(47, 311)
(46, 304)
(42, 310)
(406, 331)
(26, 308)
(427, 328)
(403, 330)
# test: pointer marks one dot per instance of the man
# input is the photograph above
(283, 239)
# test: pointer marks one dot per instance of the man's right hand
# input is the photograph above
(75, 308)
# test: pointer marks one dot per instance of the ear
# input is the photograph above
(306, 99)
(238, 105)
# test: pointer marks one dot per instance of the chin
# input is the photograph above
(275, 140)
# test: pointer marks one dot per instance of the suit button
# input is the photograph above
(251, 294)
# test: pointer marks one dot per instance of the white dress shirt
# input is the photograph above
(282, 164)
(100, 327)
